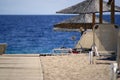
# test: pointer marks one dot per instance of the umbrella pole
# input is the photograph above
(113, 12)
(93, 23)
(101, 11)
(93, 20)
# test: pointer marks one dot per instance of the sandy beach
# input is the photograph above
(75, 67)
(64, 67)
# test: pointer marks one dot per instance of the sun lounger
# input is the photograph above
(61, 51)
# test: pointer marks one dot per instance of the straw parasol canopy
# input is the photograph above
(82, 21)
(88, 6)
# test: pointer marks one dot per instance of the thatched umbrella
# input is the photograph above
(77, 23)
(90, 6)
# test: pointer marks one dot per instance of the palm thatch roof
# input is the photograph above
(88, 6)
(83, 21)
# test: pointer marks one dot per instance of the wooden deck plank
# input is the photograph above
(20, 67)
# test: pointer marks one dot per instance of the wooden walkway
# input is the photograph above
(20, 67)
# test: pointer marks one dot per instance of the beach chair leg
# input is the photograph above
(114, 68)
(96, 52)
(91, 57)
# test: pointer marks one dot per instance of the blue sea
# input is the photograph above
(34, 33)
